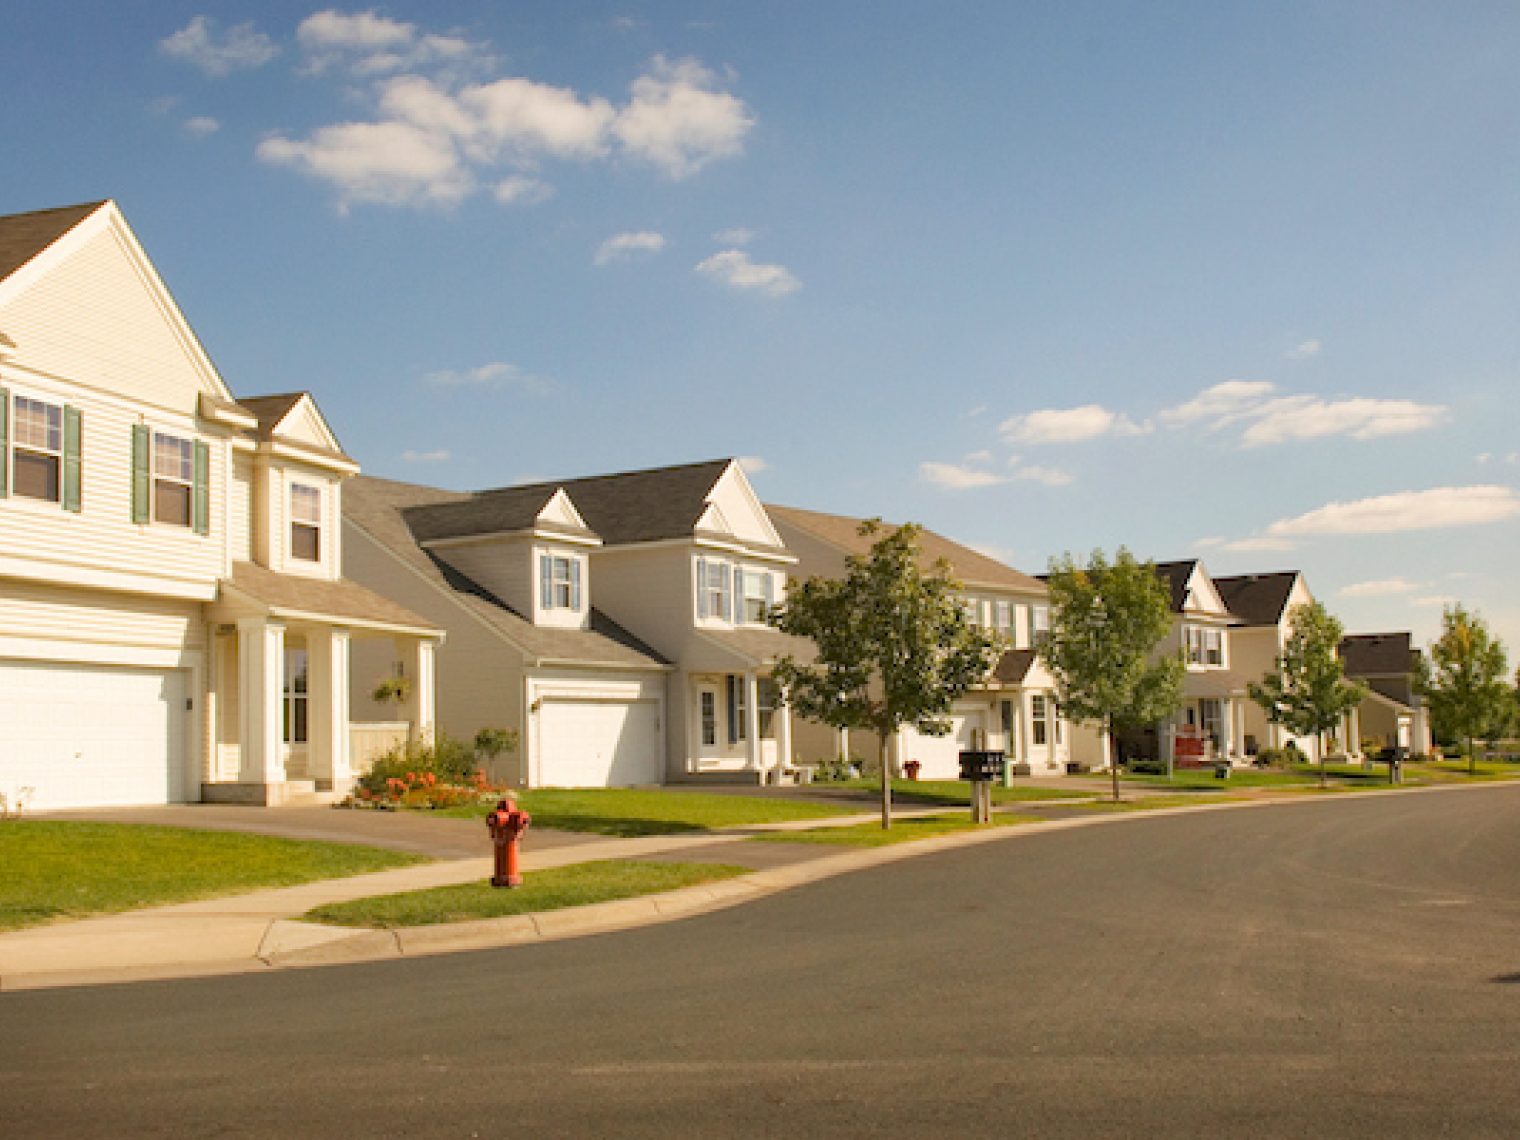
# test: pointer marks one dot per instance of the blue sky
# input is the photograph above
(1235, 281)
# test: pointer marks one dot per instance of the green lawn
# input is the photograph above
(933, 792)
(56, 869)
(904, 830)
(552, 889)
(647, 811)
(1340, 775)
(1151, 803)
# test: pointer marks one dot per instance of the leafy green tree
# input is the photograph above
(1307, 691)
(1463, 678)
(1106, 619)
(894, 646)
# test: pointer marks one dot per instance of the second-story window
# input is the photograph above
(37, 450)
(1205, 646)
(305, 523)
(756, 595)
(1039, 625)
(713, 585)
(1002, 618)
(173, 479)
(559, 582)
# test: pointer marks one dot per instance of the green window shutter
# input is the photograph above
(200, 502)
(5, 442)
(71, 472)
(142, 484)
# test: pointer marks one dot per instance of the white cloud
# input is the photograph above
(520, 190)
(1438, 508)
(982, 456)
(734, 268)
(753, 464)
(1259, 542)
(1209, 542)
(619, 247)
(736, 236)
(1440, 601)
(1304, 351)
(457, 131)
(678, 121)
(200, 126)
(391, 163)
(240, 48)
(1309, 417)
(1483, 457)
(1067, 425)
(955, 477)
(1379, 588)
(497, 374)
(439, 456)
(1221, 404)
(1050, 476)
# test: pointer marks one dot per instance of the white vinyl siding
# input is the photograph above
(34, 612)
(240, 509)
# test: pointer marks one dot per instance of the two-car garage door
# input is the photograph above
(599, 743)
(88, 735)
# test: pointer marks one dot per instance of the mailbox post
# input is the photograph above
(981, 767)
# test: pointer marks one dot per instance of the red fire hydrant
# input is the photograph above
(506, 825)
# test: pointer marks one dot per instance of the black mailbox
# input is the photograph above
(982, 766)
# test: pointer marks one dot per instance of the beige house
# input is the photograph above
(616, 621)
(1263, 605)
(1015, 710)
(173, 622)
(1393, 714)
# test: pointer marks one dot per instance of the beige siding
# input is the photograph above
(503, 566)
(648, 593)
(272, 494)
(240, 521)
(94, 617)
(129, 344)
(102, 536)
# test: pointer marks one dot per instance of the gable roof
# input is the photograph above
(24, 236)
(383, 510)
(340, 600)
(1257, 599)
(1176, 575)
(624, 507)
(843, 533)
(272, 411)
(1378, 654)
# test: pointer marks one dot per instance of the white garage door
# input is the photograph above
(597, 744)
(91, 735)
(940, 756)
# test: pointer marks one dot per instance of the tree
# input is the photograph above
(1307, 692)
(1106, 620)
(1463, 678)
(894, 646)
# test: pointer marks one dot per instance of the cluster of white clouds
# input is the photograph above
(441, 129)
(977, 470)
(732, 267)
(619, 247)
(1261, 414)
(496, 374)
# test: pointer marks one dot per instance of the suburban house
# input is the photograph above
(174, 625)
(1209, 724)
(1015, 710)
(1393, 714)
(618, 622)
(1263, 605)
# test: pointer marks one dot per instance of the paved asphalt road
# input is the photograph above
(1334, 968)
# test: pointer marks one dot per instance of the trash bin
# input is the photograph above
(1222, 770)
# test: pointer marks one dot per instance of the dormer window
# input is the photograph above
(713, 586)
(305, 523)
(559, 582)
(173, 479)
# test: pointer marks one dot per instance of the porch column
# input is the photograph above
(327, 715)
(418, 665)
(783, 719)
(261, 676)
(1023, 727)
(842, 743)
(752, 721)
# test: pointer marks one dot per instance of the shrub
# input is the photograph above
(418, 774)
(1275, 758)
(1148, 767)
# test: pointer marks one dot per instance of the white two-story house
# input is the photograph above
(617, 622)
(174, 625)
(1015, 710)
(1263, 606)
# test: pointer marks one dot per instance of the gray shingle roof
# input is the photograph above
(382, 509)
(340, 600)
(843, 533)
(24, 236)
(1176, 575)
(1378, 654)
(1257, 599)
(628, 506)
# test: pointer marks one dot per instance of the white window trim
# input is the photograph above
(14, 444)
(319, 526)
(154, 435)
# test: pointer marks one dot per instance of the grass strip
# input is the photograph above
(1151, 803)
(627, 812)
(951, 792)
(555, 888)
(904, 830)
(57, 869)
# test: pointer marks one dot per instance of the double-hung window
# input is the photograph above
(295, 697)
(42, 459)
(305, 523)
(559, 582)
(1039, 726)
(1002, 618)
(738, 709)
(714, 583)
(709, 713)
(756, 595)
(173, 479)
(1205, 646)
(1039, 625)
